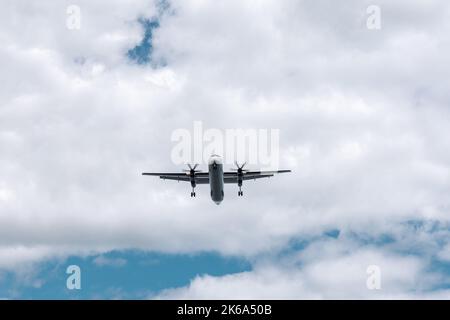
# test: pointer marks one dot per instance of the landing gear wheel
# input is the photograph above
(240, 193)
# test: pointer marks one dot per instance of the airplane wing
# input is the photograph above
(232, 177)
(200, 177)
(203, 177)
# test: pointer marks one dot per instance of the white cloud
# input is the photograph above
(329, 270)
(102, 261)
(363, 118)
(14, 256)
(444, 254)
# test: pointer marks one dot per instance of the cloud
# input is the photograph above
(327, 269)
(12, 257)
(102, 261)
(362, 117)
(444, 254)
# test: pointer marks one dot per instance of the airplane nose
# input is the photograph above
(217, 202)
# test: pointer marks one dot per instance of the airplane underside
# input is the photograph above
(216, 177)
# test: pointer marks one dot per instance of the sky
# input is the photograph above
(88, 104)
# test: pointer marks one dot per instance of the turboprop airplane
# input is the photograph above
(215, 177)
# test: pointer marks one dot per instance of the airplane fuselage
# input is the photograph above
(216, 182)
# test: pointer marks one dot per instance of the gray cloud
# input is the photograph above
(363, 117)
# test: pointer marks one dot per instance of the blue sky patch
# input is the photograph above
(122, 275)
(141, 53)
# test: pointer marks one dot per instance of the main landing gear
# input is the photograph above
(191, 172)
(240, 176)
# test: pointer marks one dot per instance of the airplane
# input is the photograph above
(216, 177)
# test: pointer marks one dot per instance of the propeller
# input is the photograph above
(239, 169)
(191, 169)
